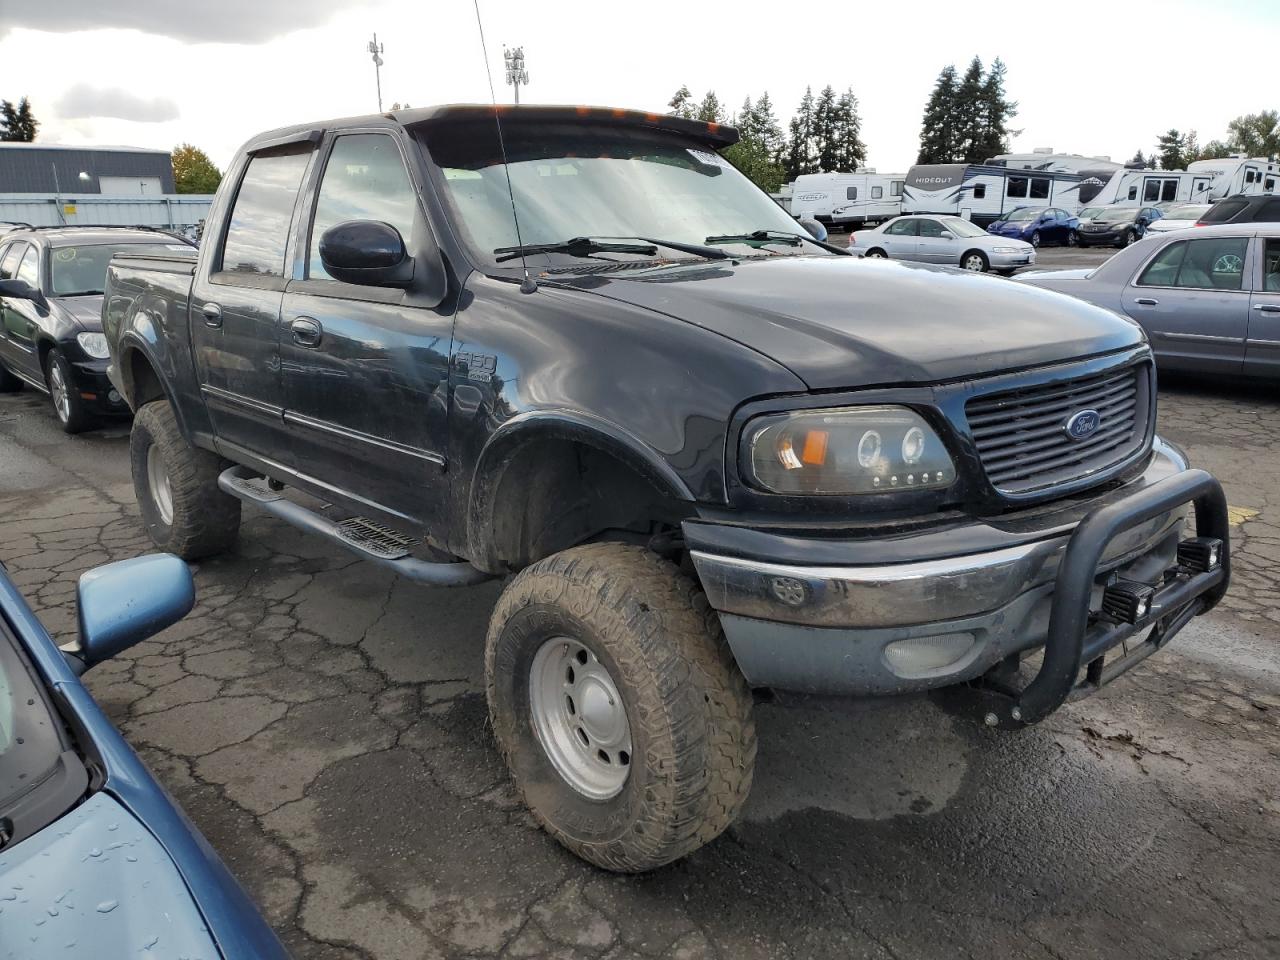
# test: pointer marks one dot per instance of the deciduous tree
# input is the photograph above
(193, 171)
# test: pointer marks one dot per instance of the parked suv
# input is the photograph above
(716, 453)
(1243, 209)
(51, 282)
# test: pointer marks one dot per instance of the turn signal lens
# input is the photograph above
(843, 451)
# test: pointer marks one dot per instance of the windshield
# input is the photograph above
(597, 181)
(1088, 212)
(83, 269)
(32, 794)
(963, 228)
(1188, 211)
(1118, 216)
(1026, 213)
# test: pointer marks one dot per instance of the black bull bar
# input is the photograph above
(1078, 637)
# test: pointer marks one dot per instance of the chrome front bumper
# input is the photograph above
(841, 629)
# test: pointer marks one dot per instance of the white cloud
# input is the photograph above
(84, 101)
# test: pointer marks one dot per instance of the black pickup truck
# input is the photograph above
(577, 346)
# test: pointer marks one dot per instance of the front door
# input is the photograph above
(1262, 352)
(932, 246)
(235, 310)
(366, 368)
(1193, 300)
(19, 316)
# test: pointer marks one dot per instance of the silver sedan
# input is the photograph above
(942, 239)
(1209, 298)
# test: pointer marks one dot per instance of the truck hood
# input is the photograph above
(839, 322)
(85, 311)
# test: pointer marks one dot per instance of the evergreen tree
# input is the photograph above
(754, 153)
(682, 103)
(18, 123)
(800, 155)
(850, 152)
(1171, 148)
(825, 124)
(995, 110)
(766, 124)
(709, 109)
(937, 127)
(969, 112)
(1139, 161)
(193, 171)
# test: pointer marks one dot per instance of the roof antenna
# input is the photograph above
(527, 285)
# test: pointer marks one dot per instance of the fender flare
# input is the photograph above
(132, 342)
(537, 425)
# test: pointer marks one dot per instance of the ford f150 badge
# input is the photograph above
(1082, 424)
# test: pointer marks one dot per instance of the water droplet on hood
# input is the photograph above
(106, 906)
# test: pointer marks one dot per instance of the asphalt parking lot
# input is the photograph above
(324, 724)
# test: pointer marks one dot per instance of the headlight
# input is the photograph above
(94, 344)
(846, 451)
(1005, 249)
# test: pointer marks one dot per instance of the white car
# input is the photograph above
(943, 239)
(1181, 217)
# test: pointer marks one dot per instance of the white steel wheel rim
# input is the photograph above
(876, 255)
(159, 485)
(58, 389)
(974, 263)
(579, 718)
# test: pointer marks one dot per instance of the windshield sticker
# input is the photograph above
(708, 158)
(65, 255)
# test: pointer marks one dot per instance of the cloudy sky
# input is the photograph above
(1090, 78)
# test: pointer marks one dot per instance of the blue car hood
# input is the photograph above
(1001, 227)
(97, 883)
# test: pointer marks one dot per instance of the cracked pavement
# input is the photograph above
(324, 724)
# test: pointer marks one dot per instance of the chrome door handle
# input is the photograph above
(1267, 307)
(212, 315)
(1147, 301)
(306, 332)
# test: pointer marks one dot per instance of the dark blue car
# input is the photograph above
(95, 858)
(1039, 226)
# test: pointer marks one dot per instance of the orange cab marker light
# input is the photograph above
(583, 111)
(815, 448)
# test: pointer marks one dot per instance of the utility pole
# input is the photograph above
(375, 48)
(516, 73)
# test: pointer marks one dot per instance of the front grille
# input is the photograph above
(1021, 434)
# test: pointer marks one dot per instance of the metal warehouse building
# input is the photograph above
(111, 171)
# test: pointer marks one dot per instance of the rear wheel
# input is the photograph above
(184, 510)
(1130, 238)
(876, 254)
(70, 407)
(614, 698)
(974, 261)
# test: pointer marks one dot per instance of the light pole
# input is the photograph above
(375, 48)
(516, 73)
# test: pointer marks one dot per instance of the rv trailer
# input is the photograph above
(984, 193)
(847, 199)
(1237, 174)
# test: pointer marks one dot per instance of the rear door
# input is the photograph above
(366, 368)
(1193, 299)
(1262, 351)
(899, 238)
(235, 307)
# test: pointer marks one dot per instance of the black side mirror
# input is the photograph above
(21, 290)
(366, 252)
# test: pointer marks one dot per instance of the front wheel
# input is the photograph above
(1035, 238)
(1130, 238)
(184, 509)
(1073, 238)
(974, 261)
(614, 699)
(70, 407)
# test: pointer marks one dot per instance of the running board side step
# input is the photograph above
(364, 538)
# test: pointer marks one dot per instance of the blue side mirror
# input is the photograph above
(123, 603)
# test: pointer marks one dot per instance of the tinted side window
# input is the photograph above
(1163, 270)
(9, 265)
(259, 228)
(1210, 264)
(1040, 188)
(1133, 192)
(851, 193)
(1223, 211)
(902, 228)
(980, 191)
(931, 228)
(877, 193)
(29, 268)
(1268, 211)
(1016, 187)
(895, 188)
(364, 179)
(1271, 267)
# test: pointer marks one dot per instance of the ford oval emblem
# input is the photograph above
(1082, 423)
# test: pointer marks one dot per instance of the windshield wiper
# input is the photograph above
(758, 238)
(585, 246)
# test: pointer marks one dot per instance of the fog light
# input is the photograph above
(920, 655)
(113, 396)
(1126, 601)
(1200, 554)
